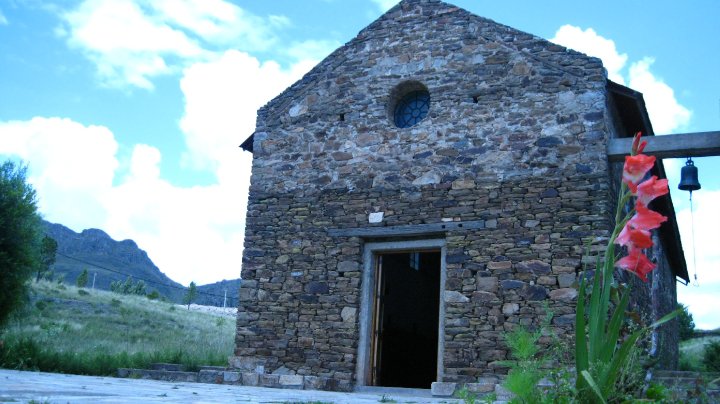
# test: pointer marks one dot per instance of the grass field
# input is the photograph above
(71, 330)
(692, 350)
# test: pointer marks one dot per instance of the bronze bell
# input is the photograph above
(689, 177)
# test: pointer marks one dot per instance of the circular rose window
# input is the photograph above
(412, 108)
(409, 104)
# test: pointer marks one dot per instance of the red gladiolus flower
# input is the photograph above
(637, 263)
(651, 189)
(637, 146)
(635, 169)
(645, 219)
(634, 238)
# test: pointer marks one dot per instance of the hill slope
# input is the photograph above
(70, 330)
(107, 260)
(214, 294)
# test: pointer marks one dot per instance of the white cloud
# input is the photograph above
(221, 100)
(666, 113)
(133, 41)
(385, 5)
(3, 20)
(314, 50)
(191, 233)
(220, 23)
(126, 45)
(592, 44)
(70, 165)
(702, 300)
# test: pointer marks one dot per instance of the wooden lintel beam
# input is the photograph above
(406, 230)
(699, 144)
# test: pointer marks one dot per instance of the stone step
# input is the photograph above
(173, 367)
(214, 376)
(165, 375)
(682, 380)
(218, 368)
(685, 384)
(685, 374)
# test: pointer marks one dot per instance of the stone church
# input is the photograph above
(425, 188)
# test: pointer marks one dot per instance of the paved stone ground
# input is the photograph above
(17, 386)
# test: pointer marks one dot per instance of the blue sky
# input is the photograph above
(129, 112)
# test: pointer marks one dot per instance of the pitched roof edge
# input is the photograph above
(329, 60)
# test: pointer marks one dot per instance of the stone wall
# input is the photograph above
(515, 137)
(301, 288)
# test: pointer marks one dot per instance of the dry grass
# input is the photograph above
(66, 322)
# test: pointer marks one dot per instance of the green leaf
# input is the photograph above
(664, 319)
(614, 327)
(619, 360)
(593, 386)
(581, 353)
(581, 346)
(595, 317)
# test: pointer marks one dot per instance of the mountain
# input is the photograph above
(107, 260)
(213, 294)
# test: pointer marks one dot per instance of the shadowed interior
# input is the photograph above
(406, 319)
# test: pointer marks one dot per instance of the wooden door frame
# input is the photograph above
(370, 251)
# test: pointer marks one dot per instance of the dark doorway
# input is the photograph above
(407, 303)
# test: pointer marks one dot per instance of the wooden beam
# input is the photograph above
(699, 144)
(407, 230)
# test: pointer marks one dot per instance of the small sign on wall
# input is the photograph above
(376, 217)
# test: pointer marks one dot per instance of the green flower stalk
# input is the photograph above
(600, 353)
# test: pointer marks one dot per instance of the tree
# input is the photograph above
(139, 288)
(19, 236)
(190, 295)
(48, 250)
(128, 287)
(687, 324)
(82, 280)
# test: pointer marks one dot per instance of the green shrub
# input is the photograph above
(530, 365)
(466, 395)
(657, 392)
(711, 357)
(128, 287)
(41, 305)
(19, 237)
(82, 280)
(686, 323)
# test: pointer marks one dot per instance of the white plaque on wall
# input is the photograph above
(376, 217)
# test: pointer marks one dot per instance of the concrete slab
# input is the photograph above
(58, 388)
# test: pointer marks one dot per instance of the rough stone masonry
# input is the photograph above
(514, 141)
